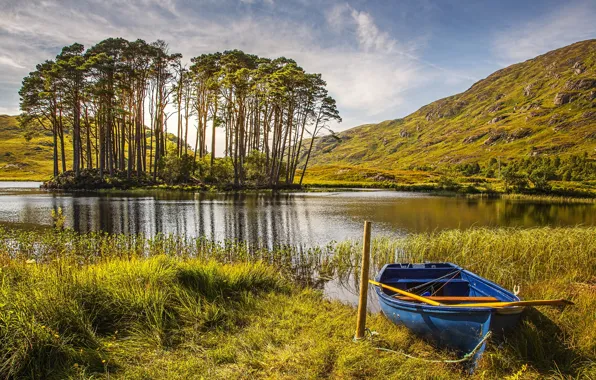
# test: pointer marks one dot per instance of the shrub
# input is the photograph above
(174, 169)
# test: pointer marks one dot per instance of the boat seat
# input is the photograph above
(454, 287)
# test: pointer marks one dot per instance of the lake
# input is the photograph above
(301, 219)
(305, 219)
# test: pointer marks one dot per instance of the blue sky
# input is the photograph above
(381, 59)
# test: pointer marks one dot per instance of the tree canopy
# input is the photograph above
(113, 102)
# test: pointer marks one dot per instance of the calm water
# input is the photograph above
(305, 219)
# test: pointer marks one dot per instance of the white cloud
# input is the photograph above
(365, 74)
(369, 35)
(570, 23)
(367, 70)
(7, 61)
(8, 111)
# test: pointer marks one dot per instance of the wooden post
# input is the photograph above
(361, 323)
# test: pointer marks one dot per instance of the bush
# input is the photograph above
(256, 168)
(175, 170)
(539, 179)
(90, 179)
(517, 180)
(222, 171)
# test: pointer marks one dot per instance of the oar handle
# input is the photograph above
(560, 302)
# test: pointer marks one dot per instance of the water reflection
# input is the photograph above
(306, 219)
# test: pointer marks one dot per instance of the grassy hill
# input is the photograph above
(544, 106)
(21, 159)
(31, 160)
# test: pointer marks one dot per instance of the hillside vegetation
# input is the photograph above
(545, 106)
(21, 159)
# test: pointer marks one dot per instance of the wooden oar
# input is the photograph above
(453, 299)
(407, 294)
(559, 302)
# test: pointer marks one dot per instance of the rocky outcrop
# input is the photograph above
(495, 107)
(581, 84)
(494, 137)
(473, 138)
(496, 119)
(445, 108)
(519, 133)
(562, 98)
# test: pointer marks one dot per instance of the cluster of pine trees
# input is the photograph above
(115, 101)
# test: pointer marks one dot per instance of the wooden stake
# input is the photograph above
(361, 323)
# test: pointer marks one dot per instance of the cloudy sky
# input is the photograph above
(381, 59)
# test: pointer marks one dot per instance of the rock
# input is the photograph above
(482, 96)
(519, 133)
(403, 133)
(528, 90)
(494, 137)
(497, 119)
(18, 165)
(578, 68)
(555, 119)
(592, 95)
(562, 98)
(495, 107)
(471, 139)
(383, 178)
(499, 96)
(582, 84)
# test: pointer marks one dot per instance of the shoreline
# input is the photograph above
(422, 188)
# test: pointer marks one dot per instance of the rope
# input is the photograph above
(466, 357)
(411, 290)
(437, 291)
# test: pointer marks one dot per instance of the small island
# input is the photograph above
(114, 100)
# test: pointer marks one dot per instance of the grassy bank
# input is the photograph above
(115, 306)
(358, 176)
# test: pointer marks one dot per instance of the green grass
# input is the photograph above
(116, 306)
(22, 160)
(460, 128)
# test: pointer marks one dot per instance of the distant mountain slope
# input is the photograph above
(21, 159)
(546, 105)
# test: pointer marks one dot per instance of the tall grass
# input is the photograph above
(297, 263)
(98, 305)
(55, 315)
(508, 256)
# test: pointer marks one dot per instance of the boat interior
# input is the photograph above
(443, 281)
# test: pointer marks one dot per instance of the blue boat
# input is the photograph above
(460, 328)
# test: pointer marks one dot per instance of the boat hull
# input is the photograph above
(459, 328)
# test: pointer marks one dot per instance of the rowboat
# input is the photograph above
(449, 322)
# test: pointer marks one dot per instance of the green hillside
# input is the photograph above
(21, 159)
(30, 159)
(542, 107)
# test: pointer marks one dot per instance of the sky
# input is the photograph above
(381, 59)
